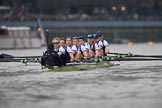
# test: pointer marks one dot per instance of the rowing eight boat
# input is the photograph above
(92, 63)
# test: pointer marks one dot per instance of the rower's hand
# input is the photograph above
(96, 56)
(85, 57)
(106, 52)
(71, 60)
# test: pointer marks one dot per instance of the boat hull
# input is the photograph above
(77, 67)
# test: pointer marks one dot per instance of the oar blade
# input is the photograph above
(6, 56)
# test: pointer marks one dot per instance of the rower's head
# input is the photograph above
(81, 40)
(89, 38)
(62, 42)
(75, 40)
(56, 42)
(95, 37)
(100, 36)
(68, 40)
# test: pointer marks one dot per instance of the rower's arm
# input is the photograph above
(85, 53)
(107, 49)
(71, 56)
(61, 51)
(96, 53)
(100, 48)
(100, 45)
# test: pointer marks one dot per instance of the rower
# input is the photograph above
(83, 49)
(60, 50)
(105, 46)
(98, 45)
(62, 42)
(83, 44)
(90, 46)
(78, 50)
(68, 49)
(67, 46)
(69, 41)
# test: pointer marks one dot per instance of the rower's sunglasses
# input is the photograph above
(55, 43)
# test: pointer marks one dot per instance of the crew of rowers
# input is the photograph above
(74, 49)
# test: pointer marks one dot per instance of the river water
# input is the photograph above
(130, 85)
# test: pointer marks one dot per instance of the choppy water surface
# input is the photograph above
(132, 84)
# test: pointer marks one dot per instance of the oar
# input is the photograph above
(10, 60)
(120, 55)
(121, 59)
(11, 56)
(24, 61)
(134, 59)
